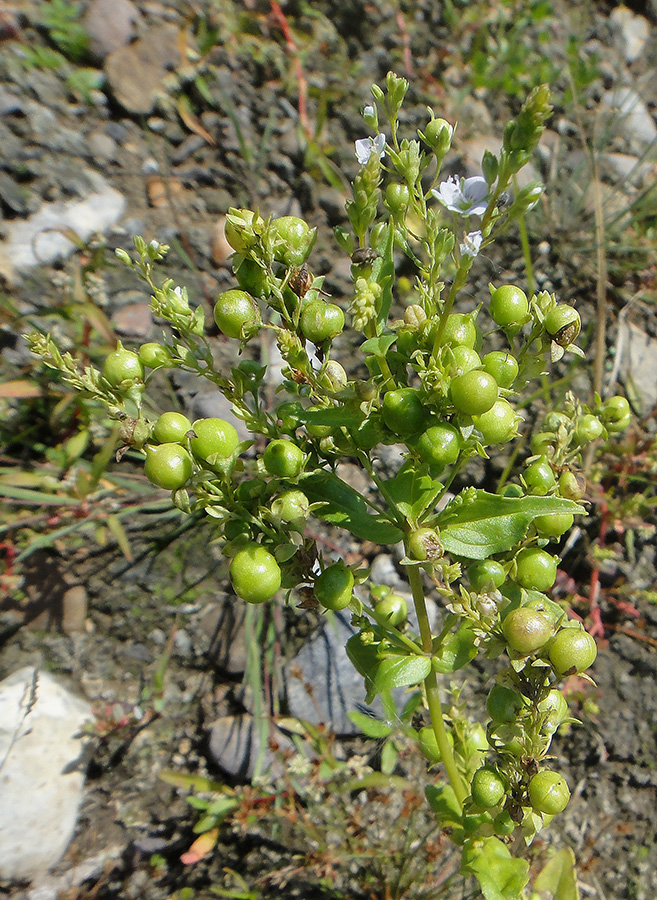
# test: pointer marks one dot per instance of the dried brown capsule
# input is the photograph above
(363, 255)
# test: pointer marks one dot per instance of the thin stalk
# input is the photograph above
(431, 689)
(527, 255)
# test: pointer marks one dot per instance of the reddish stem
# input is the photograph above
(279, 15)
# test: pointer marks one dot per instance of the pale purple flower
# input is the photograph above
(471, 244)
(368, 111)
(366, 146)
(467, 197)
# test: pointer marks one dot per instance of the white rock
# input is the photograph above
(636, 123)
(638, 363)
(41, 777)
(42, 238)
(630, 32)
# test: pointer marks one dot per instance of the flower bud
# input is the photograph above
(414, 317)
(242, 229)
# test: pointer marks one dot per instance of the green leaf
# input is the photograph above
(500, 876)
(345, 507)
(364, 656)
(335, 416)
(413, 490)
(397, 671)
(371, 727)
(558, 876)
(457, 652)
(389, 757)
(443, 802)
(477, 524)
(378, 346)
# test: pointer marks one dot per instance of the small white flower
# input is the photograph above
(471, 244)
(366, 146)
(368, 111)
(467, 197)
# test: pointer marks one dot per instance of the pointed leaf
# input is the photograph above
(456, 652)
(371, 727)
(413, 490)
(500, 876)
(477, 524)
(345, 507)
(558, 876)
(399, 671)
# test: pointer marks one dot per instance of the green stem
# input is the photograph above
(431, 688)
(526, 252)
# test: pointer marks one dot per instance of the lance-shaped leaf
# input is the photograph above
(345, 507)
(477, 524)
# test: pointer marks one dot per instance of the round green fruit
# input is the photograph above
(460, 331)
(536, 569)
(123, 367)
(539, 477)
(240, 229)
(508, 306)
(169, 466)
(486, 575)
(548, 792)
(293, 240)
(465, 360)
(283, 459)
(553, 526)
(526, 630)
(503, 366)
(255, 574)
(424, 544)
(498, 425)
(391, 610)
(588, 428)
(214, 439)
(321, 321)
(237, 315)
(572, 651)
(615, 409)
(154, 355)
(398, 197)
(473, 393)
(171, 427)
(334, 587)
(439, 445)
(291, 506)
(403, 411)
(487, 788)
(563, 324)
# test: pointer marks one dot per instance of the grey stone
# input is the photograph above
(630, 32)
(10, 102)
(635, 122)
(101, 146)
(135, 73)
(384, 571)
(638, 362)
(16, 197)
(110, 25)
(134, 320)
(223, 625)
(235, 746)
(41, 238)
(321, 684)
(41, 772)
